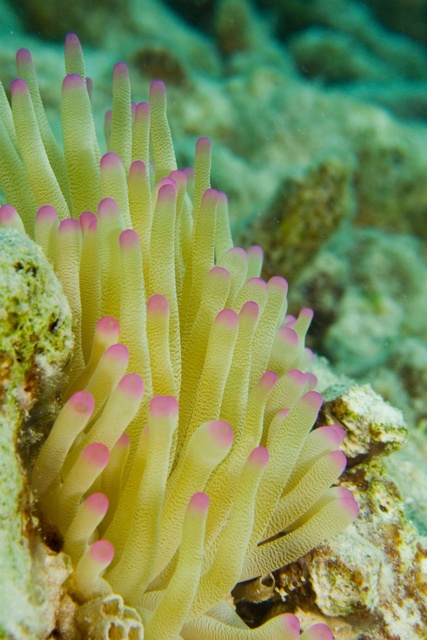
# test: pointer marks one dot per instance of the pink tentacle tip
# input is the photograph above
(227, 318)
(128, 239)
(7, 214)
(338, 460)
(69, 226)
(97, 503)
(46, 213)
(167, 192)
(210, 197)
(348, 502)
(164, 406)
(269, 379)
(189, 172)
(157, 89)
(313, 399)
(258, 283)
(199, 502)
(111, 160)
(101, 552)
(256, 250)
(309, 354)
(321, 631)
(311, 379)
(82, 402)
(86, 219)
(137, 168)
(123, 442)
(23, 56)
(222, 197)
(342, 493)
(96, 455)
(289, 336)
(71, 40)
(18, 87)
(289, 321)
(166, 180)
(250, 309)
(259, 456)
(219, 272)
(334, 434)
(108, 326)
(142, 110)
(158, 304)
(297, 377)
(179, 177)
(239, 252)
(221, 432)
(120, 69)
(73, 81)
(307, 313)
(340, 431)
(131, 385)
(108, 207)
(203, 144)
(118, 352)
(277, 282)
(291, 624)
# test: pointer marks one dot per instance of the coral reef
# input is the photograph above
(103, 618)
(35, 342)
(387, 564)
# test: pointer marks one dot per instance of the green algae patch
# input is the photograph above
(35, 342)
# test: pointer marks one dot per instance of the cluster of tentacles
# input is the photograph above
(184, 458)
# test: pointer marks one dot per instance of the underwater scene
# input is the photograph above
(213, 320)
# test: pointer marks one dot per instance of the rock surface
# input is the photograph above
(35, 341)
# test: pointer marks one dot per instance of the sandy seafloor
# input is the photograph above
(318, 116)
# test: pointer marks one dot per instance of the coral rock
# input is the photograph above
(373, 427)
(35, 338)
(105, 618)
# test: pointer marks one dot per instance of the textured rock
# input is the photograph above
(373, 427)
(106, 618)
(348, 578)
(409, 470)
(35, 341)
(373, 574)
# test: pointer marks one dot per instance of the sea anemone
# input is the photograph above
(184, 457)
